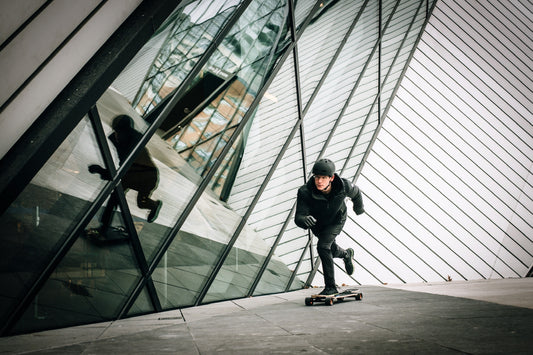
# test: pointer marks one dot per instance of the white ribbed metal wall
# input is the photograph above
(43, 45)
(341, 115)
(448, 184)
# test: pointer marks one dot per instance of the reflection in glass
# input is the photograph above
(187, 36)
(202, 121)
(142, 305)
(142, 176)
(274, 120)
(43, 215)
(91, 284)
(158, 184)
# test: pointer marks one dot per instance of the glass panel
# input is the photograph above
(272, 212)
(306, 266)
(288, 253)
(212, 223)
(242, 63)
(274, 121)
(179, 276)
(39, 220)
(186, 37)
(142, 305)
(91, 284)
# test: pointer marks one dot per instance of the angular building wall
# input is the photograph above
(448, 183)
(230, 103)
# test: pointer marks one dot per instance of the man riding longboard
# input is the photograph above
(321, 207)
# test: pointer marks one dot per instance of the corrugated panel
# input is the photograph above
(43, 54)
(448, 184)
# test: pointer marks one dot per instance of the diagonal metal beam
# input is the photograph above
(389, 103)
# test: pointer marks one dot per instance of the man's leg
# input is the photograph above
(107, 216)
(327, 249)
(144, 182)
(337, 251)
(346, 255)
(144, 201)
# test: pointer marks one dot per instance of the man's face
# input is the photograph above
(322, 181)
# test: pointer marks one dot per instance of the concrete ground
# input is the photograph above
(473, 317)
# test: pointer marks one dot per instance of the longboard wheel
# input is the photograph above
(359, 296)
(329, 301)
(308, 301)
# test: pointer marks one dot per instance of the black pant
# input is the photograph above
(327, 250)
(143, 201)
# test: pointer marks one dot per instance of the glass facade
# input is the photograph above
(178, 187)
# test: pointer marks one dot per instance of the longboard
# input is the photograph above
(338, 297)
(112, 236)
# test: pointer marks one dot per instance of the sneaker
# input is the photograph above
(329, 291)
(348, 264)
(154, 212)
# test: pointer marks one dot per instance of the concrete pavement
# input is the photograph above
(442, 318)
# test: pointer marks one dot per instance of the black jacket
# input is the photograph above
(142, 175)
(329, 210)
(126, 141)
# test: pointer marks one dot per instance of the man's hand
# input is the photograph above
(359, 210)
(97, 169)
(309, 221)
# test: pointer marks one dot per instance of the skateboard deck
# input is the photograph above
(338, 297)
(111, 236)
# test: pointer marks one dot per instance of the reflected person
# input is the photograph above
(142, 176)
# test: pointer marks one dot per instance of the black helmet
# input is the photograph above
(122, 123)
(324, 167)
